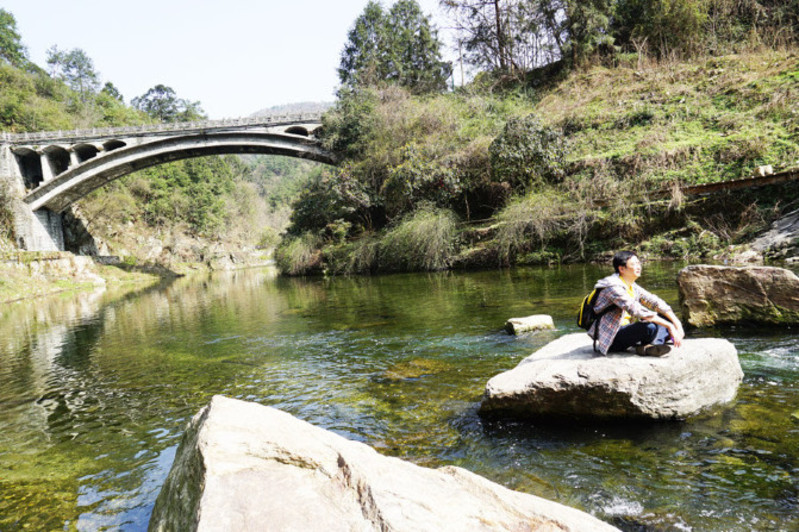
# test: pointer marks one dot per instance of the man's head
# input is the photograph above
(621, 258)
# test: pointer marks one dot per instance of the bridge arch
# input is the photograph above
(56, 160)
(297, 130)
(84, 152)
(114, 144)
(30, 166)
(72, 183)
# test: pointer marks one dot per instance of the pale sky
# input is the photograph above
(235, 57)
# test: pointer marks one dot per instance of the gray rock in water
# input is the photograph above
(722, 294)
(536, 322)
(245, 467)
(566, 380)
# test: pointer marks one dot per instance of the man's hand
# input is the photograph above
(677, 333)
(675, 329)
(673, 325)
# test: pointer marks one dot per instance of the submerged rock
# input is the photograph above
(536, 322)
(243, 466)
(722, 294)
(565, 379)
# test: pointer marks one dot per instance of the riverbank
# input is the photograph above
(28, 275)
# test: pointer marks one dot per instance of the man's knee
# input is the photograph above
(651, 332)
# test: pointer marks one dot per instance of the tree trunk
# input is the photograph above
(500, 37)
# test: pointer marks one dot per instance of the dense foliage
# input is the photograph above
(527, 155)
(583, 115)
(12, 50)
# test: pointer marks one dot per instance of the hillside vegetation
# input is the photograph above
(581, 116)
(558, 167)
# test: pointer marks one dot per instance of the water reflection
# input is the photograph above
(95, 393)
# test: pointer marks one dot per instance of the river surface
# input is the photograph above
(95, 393)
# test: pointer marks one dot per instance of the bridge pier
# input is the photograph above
(42, 230)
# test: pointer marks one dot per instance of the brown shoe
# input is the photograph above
(650, 350)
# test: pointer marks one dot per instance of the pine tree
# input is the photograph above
(363, 61)
(11, 48)
(399, 47)
(414, 57)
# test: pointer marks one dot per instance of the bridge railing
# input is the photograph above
(158, 128)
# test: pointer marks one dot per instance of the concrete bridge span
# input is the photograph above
(49, 171)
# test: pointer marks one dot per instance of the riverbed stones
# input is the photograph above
(566, 380)
(536, 322)
(245, 467)
(721, 294)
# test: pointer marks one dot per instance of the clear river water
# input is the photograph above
(95, 391)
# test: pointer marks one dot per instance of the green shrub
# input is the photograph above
(332, 198)
(423, 241)
(348, 126)
(298, 255)
(355, 257)
(419, 177)
(533, 220)
(269, 238)
(528, 155)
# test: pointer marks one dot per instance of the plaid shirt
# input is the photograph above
(644, 305)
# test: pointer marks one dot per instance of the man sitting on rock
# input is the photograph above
(632, 318)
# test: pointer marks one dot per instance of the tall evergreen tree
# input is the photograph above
(586, 24)
(363, 61)
(11, 48)
(414, 56)
(399, 47)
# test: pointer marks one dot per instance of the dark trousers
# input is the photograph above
(639, 333)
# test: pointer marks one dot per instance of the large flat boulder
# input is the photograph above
(722, 294)
(566, 380)
(243, 466)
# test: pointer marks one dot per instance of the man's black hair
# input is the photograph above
(621, 258)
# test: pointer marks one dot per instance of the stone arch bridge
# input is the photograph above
(48, 171)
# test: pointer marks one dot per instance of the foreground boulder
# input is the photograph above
(566, 380)
(536, 322)
(721, 294)
(244, 467)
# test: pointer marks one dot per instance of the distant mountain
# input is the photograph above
(294, 108)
